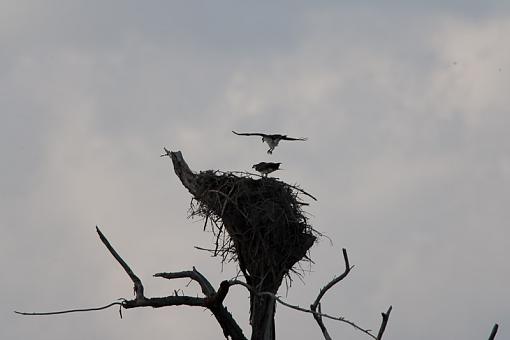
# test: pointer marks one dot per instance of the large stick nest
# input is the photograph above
(257, 221)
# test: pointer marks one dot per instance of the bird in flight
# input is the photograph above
(271, 140)
(266, 168)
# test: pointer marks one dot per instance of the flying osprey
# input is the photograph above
(265, 168)
(271, 140)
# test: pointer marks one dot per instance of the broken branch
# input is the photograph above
(385, 317)
(138, 287)
(493, 332)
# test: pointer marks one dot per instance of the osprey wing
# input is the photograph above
(249, 134)
(290, 138)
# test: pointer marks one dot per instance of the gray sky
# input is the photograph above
(405, 106)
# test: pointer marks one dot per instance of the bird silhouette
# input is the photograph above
(271, 140)
(266, 168)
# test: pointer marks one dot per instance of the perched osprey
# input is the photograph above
(265, 168)
(271, 140)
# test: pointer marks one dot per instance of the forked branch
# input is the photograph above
(318, 315)
(298, 308)
(213, 299)
(316, 304)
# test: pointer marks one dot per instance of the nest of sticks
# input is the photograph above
(259, 222)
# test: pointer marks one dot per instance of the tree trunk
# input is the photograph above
(266, 226)
(262, 317)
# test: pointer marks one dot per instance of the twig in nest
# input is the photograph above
(260, 223)
(250, 174)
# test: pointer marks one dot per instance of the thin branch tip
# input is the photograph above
(167, 152)
(67, 311)
(494, 331)
(385, 318)
(346, 258)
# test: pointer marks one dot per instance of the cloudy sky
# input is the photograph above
(406, 109)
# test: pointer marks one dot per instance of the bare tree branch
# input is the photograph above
(334, 281)
(323, 328)
(138, 288)
(166, 301)
(194, 275)
(316, 304)
(385, 317)
(118, 303)
(213, 301)
(323, 315)
(298, 308)
(493, 332)
(182, 170)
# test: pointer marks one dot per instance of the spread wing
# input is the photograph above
(290, 138)
(250, 134)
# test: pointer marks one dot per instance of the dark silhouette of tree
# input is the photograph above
(258, 222)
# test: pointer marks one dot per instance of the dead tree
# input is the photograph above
(259, 223)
